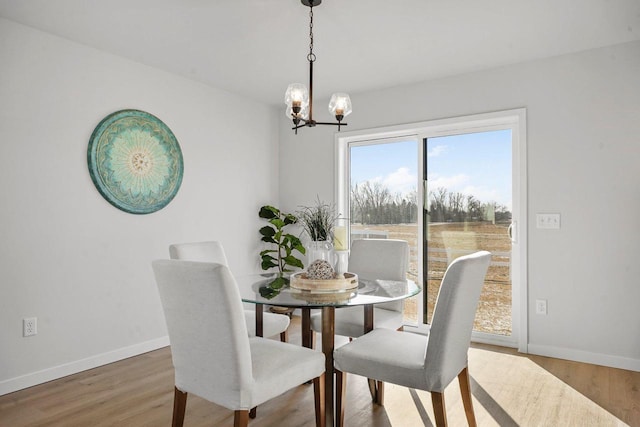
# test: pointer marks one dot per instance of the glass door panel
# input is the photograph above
(468, 206)
(383, 199)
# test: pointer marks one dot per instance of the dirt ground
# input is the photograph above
(494, 308)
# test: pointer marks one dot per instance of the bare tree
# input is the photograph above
(455, 206)
(373, 203)
(438, 199)
(445, 206)
(357, 203)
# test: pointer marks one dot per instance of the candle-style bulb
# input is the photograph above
(340, 105)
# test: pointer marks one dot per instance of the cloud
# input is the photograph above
(401, 181)
(437, 150)
(451, 183)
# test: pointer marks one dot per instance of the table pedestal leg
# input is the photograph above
(368, 318)
(328, 344)
(307, 334)
(259, 316)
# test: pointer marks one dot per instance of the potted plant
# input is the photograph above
(318, 223)
(282, 255)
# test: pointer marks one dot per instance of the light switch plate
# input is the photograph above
(548, 220)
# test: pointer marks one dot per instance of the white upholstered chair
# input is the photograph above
(386, 259)
(272, 323)
(423, 362)
(212, 353)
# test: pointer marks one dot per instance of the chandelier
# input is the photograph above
(299, 99)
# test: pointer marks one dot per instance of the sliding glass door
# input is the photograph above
(448, 187)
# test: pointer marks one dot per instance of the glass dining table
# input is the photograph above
(255, 289)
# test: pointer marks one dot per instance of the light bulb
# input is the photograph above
(297, 95)
(340, 105)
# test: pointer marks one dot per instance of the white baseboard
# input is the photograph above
(39, 377)
(494, 339)
(585, 356)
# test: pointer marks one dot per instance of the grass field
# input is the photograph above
(447, 241)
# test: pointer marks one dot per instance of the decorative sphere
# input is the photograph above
(320, 269)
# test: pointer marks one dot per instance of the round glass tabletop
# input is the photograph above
(255, 288)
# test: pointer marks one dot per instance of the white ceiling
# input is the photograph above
(257, 47)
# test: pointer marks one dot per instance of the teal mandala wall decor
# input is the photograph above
(135, 161)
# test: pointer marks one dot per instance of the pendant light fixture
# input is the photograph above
(299, 99)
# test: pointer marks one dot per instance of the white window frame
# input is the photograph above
(515, 120)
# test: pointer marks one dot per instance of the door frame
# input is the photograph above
(514, 119)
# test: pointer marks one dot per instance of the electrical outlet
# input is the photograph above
(29, 326)
(541, 306)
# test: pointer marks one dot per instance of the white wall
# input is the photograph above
(68, 257)
(583, 119)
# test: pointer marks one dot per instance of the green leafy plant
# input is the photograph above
(285, 244)
(318, 221)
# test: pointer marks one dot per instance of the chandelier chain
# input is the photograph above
(311, 57)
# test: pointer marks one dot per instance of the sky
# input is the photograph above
(478, 164)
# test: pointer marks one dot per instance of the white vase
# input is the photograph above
(321, 249)
(342, 262)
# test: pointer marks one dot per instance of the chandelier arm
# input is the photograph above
(312, 124)
(300, 119)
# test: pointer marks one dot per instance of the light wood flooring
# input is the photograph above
(508, 389)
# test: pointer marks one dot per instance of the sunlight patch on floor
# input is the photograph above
(499, 398)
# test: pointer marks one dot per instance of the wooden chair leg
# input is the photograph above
(253, 412)
(376, 388)
(380, 393)
(465, 390)
(179, 407)
(341, 394)
(318, 395)
(372, 388)
(437, 399)
(284, 336)
(241, 418)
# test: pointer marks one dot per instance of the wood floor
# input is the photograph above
(508, 389)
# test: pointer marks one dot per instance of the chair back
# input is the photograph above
(199, 251)
(453, 317)
(386, 259)
(207, 330)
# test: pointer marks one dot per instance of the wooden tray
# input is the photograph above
(322, 297)
(300, 281)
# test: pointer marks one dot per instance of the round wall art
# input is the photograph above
(135, 161)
